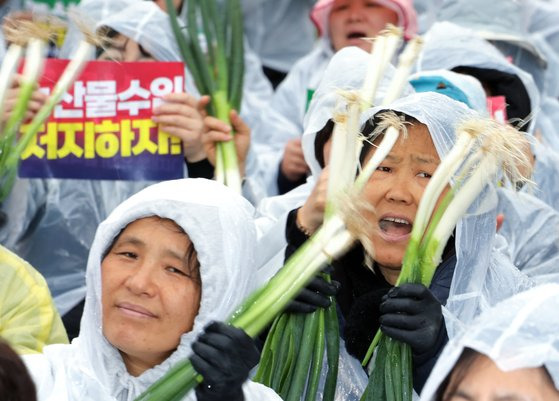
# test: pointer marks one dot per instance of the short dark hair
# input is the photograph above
(369, 129)
(15, 381)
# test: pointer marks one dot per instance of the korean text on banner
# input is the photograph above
(102, 129)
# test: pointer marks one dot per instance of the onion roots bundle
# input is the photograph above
(483, 149)
(217, 70)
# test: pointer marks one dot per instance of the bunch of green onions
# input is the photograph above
(482, 149)
(12, 146)
(292, 358)
(218, 70)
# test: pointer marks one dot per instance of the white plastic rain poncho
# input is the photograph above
(280, 32)
(219, 224)
(449, 46)
(545, 32)
(483, 275)
(507, 25)
(499, 21)
(345, 71)
(426, 13)
(531, 229)
(283, 119)
(520, 332)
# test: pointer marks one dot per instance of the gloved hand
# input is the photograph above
(224, 356)
(315, 295)
(413, 315)
(362, 322)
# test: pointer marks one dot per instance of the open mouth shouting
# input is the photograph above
(395, 228)
(356, 37)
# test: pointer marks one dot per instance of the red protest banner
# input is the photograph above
(102, 128)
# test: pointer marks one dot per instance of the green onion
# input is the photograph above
(384, 47)
(217, 71)
(405, 64)
(71, 72)
(9, 157)
(7, 72)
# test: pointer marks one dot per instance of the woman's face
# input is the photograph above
(122, 48)
(150, 292)
(394, 191)
(484, 381)
(352, 20)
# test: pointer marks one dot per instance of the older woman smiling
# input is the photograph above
(164, 266)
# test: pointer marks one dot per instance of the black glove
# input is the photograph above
(315, 295)
(413, 315)
(224, 356)
(362, 322)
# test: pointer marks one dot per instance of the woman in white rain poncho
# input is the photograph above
(512, 349)
(448, 46)
(221, 232)
(472, 276)
(282, 122)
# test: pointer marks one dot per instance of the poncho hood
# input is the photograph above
(520, 332)
(145, 23)
(500, 21)
(451, 47)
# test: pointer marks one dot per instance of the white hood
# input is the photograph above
(448, 46)
(520, 332)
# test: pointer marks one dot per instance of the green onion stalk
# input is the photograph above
(7, 73)
(217, 69)
(10, 159)
(383, 49)
(405, 64)
(33, 68)
(290, 366)
(482, 149)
